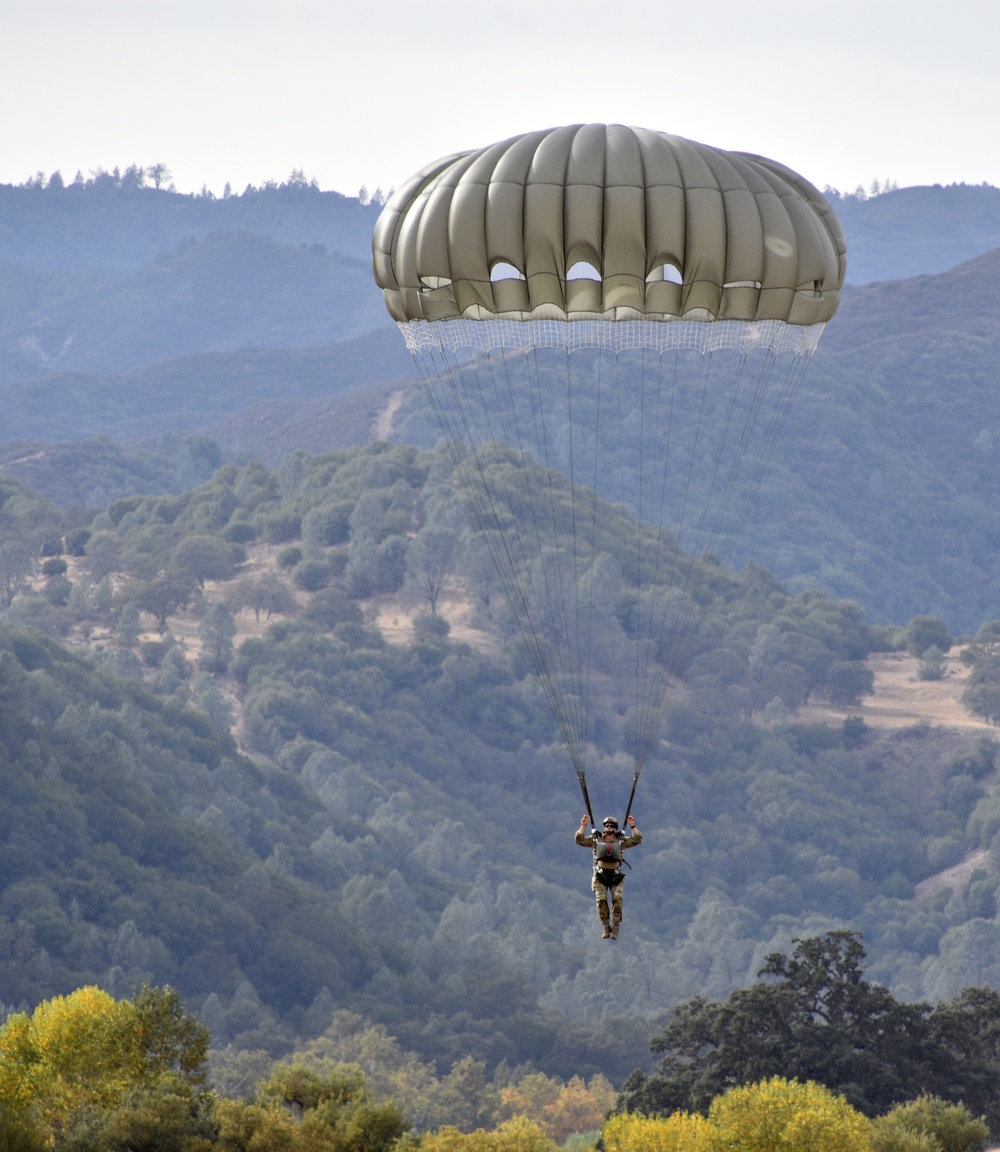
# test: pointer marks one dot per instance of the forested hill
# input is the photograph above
(916, 231)
(274, 792)
(149, 317)
(114, 224)
(885, 484)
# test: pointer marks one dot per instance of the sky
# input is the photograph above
(365, 93)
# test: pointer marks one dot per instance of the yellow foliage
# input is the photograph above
(786, 1116)
(681, 1132)
(68, 1053)
(517, 1135)
(85, 1052)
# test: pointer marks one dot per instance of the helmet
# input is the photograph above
(610, 820)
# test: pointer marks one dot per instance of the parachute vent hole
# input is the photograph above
(432, 282)
(581, 270)
(742, 284)
(668, 272)
(503, 271)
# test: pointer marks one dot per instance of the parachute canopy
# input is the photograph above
(611, 325)
(603, 221)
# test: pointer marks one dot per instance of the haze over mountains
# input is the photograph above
(136, 313)
(235, 738)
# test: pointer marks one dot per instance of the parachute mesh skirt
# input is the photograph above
(610, 467)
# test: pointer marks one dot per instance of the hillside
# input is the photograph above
(108, 228)
(885, 481)
(186, 395)
(369, 738)
(228, 291)
(917, 231)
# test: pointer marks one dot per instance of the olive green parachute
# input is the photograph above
(672, 229)
(610, 324)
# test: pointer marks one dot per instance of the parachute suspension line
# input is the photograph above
(677, 604)
(534, 579)
(789, 388)
(639, 678)
(581, 776)
(652, 699)
(709, 493)
(486, 511)
(652, 650)
(568, 655)
(595, 482)
(778, 415)
(582, 688)
(655, 693)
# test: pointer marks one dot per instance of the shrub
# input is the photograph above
(311, 575)
(240, 532)
(289, 557)
(929, 1123)
(681, 1132)
(781, 1115)
(281, 528)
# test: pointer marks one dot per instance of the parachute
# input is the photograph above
(610, 324)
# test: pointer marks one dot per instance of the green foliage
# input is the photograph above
(137, 846)
(931, 666)
(981, 694)
(816, 1018)
(298, 1108)
(938, 1125)
(847, 681)
(924, 632)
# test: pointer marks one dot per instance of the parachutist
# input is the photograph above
(609, 879)
(585, 304)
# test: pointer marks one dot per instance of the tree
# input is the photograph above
(924, 631)
(816, 1018)
(216, 632)
(267, 593)
(299, 1108)
(561, 1109)
(931, 666)
(679, 1132)
(163, 598)
(16, 564)
(981, 695)
(129, 624)
(86, 1051)
(518, 1135)
(945, 1127)
(847, 681)
(430, 560)
(159, 174)
(203, 558)
(780, 1115)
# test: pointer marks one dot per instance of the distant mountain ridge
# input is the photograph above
(111, 230)
(186, 393)
(228, 291)
(137, 313)
(917, 231)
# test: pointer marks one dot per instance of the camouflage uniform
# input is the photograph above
(610, 917)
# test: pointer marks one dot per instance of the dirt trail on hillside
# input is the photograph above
(382, 428)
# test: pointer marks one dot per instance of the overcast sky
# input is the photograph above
(366, 92)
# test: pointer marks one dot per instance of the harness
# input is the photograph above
(610, 854)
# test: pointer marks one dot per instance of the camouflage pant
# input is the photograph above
(604, 894)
